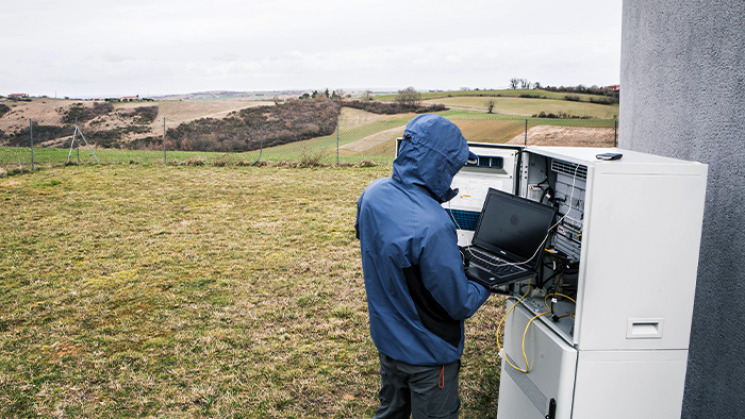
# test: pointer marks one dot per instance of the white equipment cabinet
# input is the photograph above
(498, 167)
(625, 252)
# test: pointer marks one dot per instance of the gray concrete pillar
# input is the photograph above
(683, 95)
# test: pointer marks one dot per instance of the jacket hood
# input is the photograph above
(432, 151)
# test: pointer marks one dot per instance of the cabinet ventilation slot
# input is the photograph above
(569, 169)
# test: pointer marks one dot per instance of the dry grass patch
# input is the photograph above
(546, 135)
(177, 112)
(194, 292)
(375, 140)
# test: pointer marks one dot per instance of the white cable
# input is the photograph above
(452, 217)
(571, 198)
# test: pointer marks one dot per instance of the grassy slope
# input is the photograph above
(496, 93)
(195, 291)
(177, 112)
(351, 129)
(529, 107)
(476, 126)
(45, 111)
(508, 101)
(354, 125)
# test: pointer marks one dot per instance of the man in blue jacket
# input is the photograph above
(418, 295)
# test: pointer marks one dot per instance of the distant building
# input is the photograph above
(16, 96)
(123, 99)
(614, 87)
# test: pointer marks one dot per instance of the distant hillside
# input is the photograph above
(530, 107)
(250, 128)
(226, 94)
(521, 93)
(540, 103)
(219, 125)
(229, 121)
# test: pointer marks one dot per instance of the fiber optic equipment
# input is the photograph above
(602, 330)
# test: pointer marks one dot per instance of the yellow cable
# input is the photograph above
(545, 302)
(499, 326)
(525, 332)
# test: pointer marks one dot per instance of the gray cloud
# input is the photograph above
(93, 48)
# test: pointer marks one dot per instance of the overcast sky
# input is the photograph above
(83, 48)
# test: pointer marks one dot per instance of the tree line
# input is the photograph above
(611, 92)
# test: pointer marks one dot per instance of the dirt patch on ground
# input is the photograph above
(350, 117)
(546, 135)
(374, 140)
(42, 111)
(176, 112)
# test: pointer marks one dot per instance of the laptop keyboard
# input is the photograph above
(492, 263)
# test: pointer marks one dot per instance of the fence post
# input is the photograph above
(615, 133)
(31, 133)
(78, 148)
(337, 140)
(164, 141)
(526, 132)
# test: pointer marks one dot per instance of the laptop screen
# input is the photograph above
(512, 227)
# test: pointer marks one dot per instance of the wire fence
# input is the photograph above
(326, 134)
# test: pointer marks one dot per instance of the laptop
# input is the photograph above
(509, 239)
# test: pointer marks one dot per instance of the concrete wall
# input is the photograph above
(683, 95)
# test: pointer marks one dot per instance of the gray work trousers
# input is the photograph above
(417, 391)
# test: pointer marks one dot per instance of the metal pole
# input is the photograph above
(78, 148)
(31, 133)
(526, 133)
(337, 140)
(615, 133)
(164, 140)
(72, 144)
(86, 143)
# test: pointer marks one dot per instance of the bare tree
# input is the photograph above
(490, 105)
(514, 82)
(408, 98)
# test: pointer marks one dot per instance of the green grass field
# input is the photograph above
(181, 291)
(529, 107)
(544, 94)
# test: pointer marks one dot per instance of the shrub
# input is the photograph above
(286, 122)
(603, 101)
(311, 158)
(81, 113)
(42, 134)
(144, 114)
(560, 115)
(196, 161)
(388, 108)
(4, 109)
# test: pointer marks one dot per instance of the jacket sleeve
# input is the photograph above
(441, 266)
(357, 219)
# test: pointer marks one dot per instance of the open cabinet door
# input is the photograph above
(498, 168)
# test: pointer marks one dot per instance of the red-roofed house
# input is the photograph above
(16, 96)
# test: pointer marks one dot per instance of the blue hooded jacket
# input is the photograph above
(417, 292)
